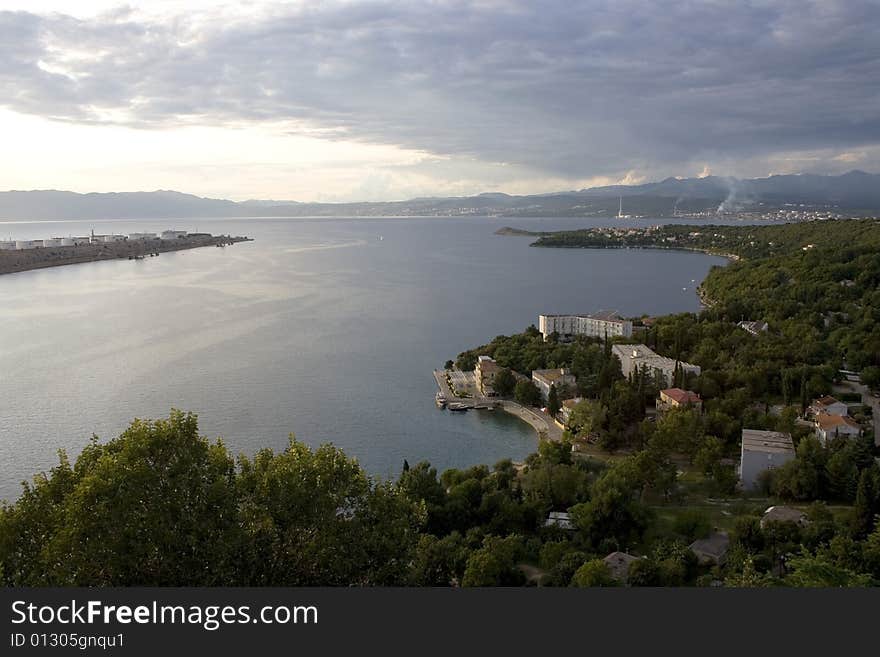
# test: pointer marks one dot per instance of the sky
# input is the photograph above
(395, 99)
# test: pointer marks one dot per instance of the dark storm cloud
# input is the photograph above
(568, 88)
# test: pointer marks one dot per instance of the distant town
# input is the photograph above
(24, 255)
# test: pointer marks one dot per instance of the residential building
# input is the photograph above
(561, 377)
(828, 405)
(485, 372)
(560, 519)
(762, 451)
(598, 326)
(711, 550)
(618, 564)
(784, 514)
(678, 398)
(635, 358)
(830, 426)
(753, 327)
(567, 407)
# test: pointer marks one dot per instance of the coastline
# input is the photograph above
(12, 262)
(544, 427)
(732, 257)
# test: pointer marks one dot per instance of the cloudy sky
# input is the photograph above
(333, 101)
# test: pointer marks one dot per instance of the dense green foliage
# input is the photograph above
(160, 505)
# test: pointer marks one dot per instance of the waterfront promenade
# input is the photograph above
(542, 423)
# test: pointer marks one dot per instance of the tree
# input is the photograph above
(156, 506)
(439, 561)
(448, 365)
(593, 573)
(818, 571)
(613, 512)
(587, 417)
(504, 382)
(162, 506)
(553, 404)
(871, 376)
(867, 503)
(527, 393)
(494, 564)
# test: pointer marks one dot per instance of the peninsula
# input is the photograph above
(24, 255)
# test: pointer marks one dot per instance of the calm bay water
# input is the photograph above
(327, 328)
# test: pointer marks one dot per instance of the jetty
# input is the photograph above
(39, 254)
(542, 424)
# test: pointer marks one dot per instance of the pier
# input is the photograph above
(542, 424)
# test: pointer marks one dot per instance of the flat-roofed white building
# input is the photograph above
(7, 245)
(113, 238)
(27, 244)
(762, 451)
(52, 241)
(172, 234)
(635, 358)
(597, 326)
(142, 236)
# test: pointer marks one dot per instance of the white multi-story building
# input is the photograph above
(484, 373)
(560, 377)
(636, 358)
(762, 451)
(598, 326)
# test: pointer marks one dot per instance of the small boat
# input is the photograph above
(457, 407)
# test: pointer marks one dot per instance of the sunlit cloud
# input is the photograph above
(386, 99)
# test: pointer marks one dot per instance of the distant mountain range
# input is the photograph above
(855, 192)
